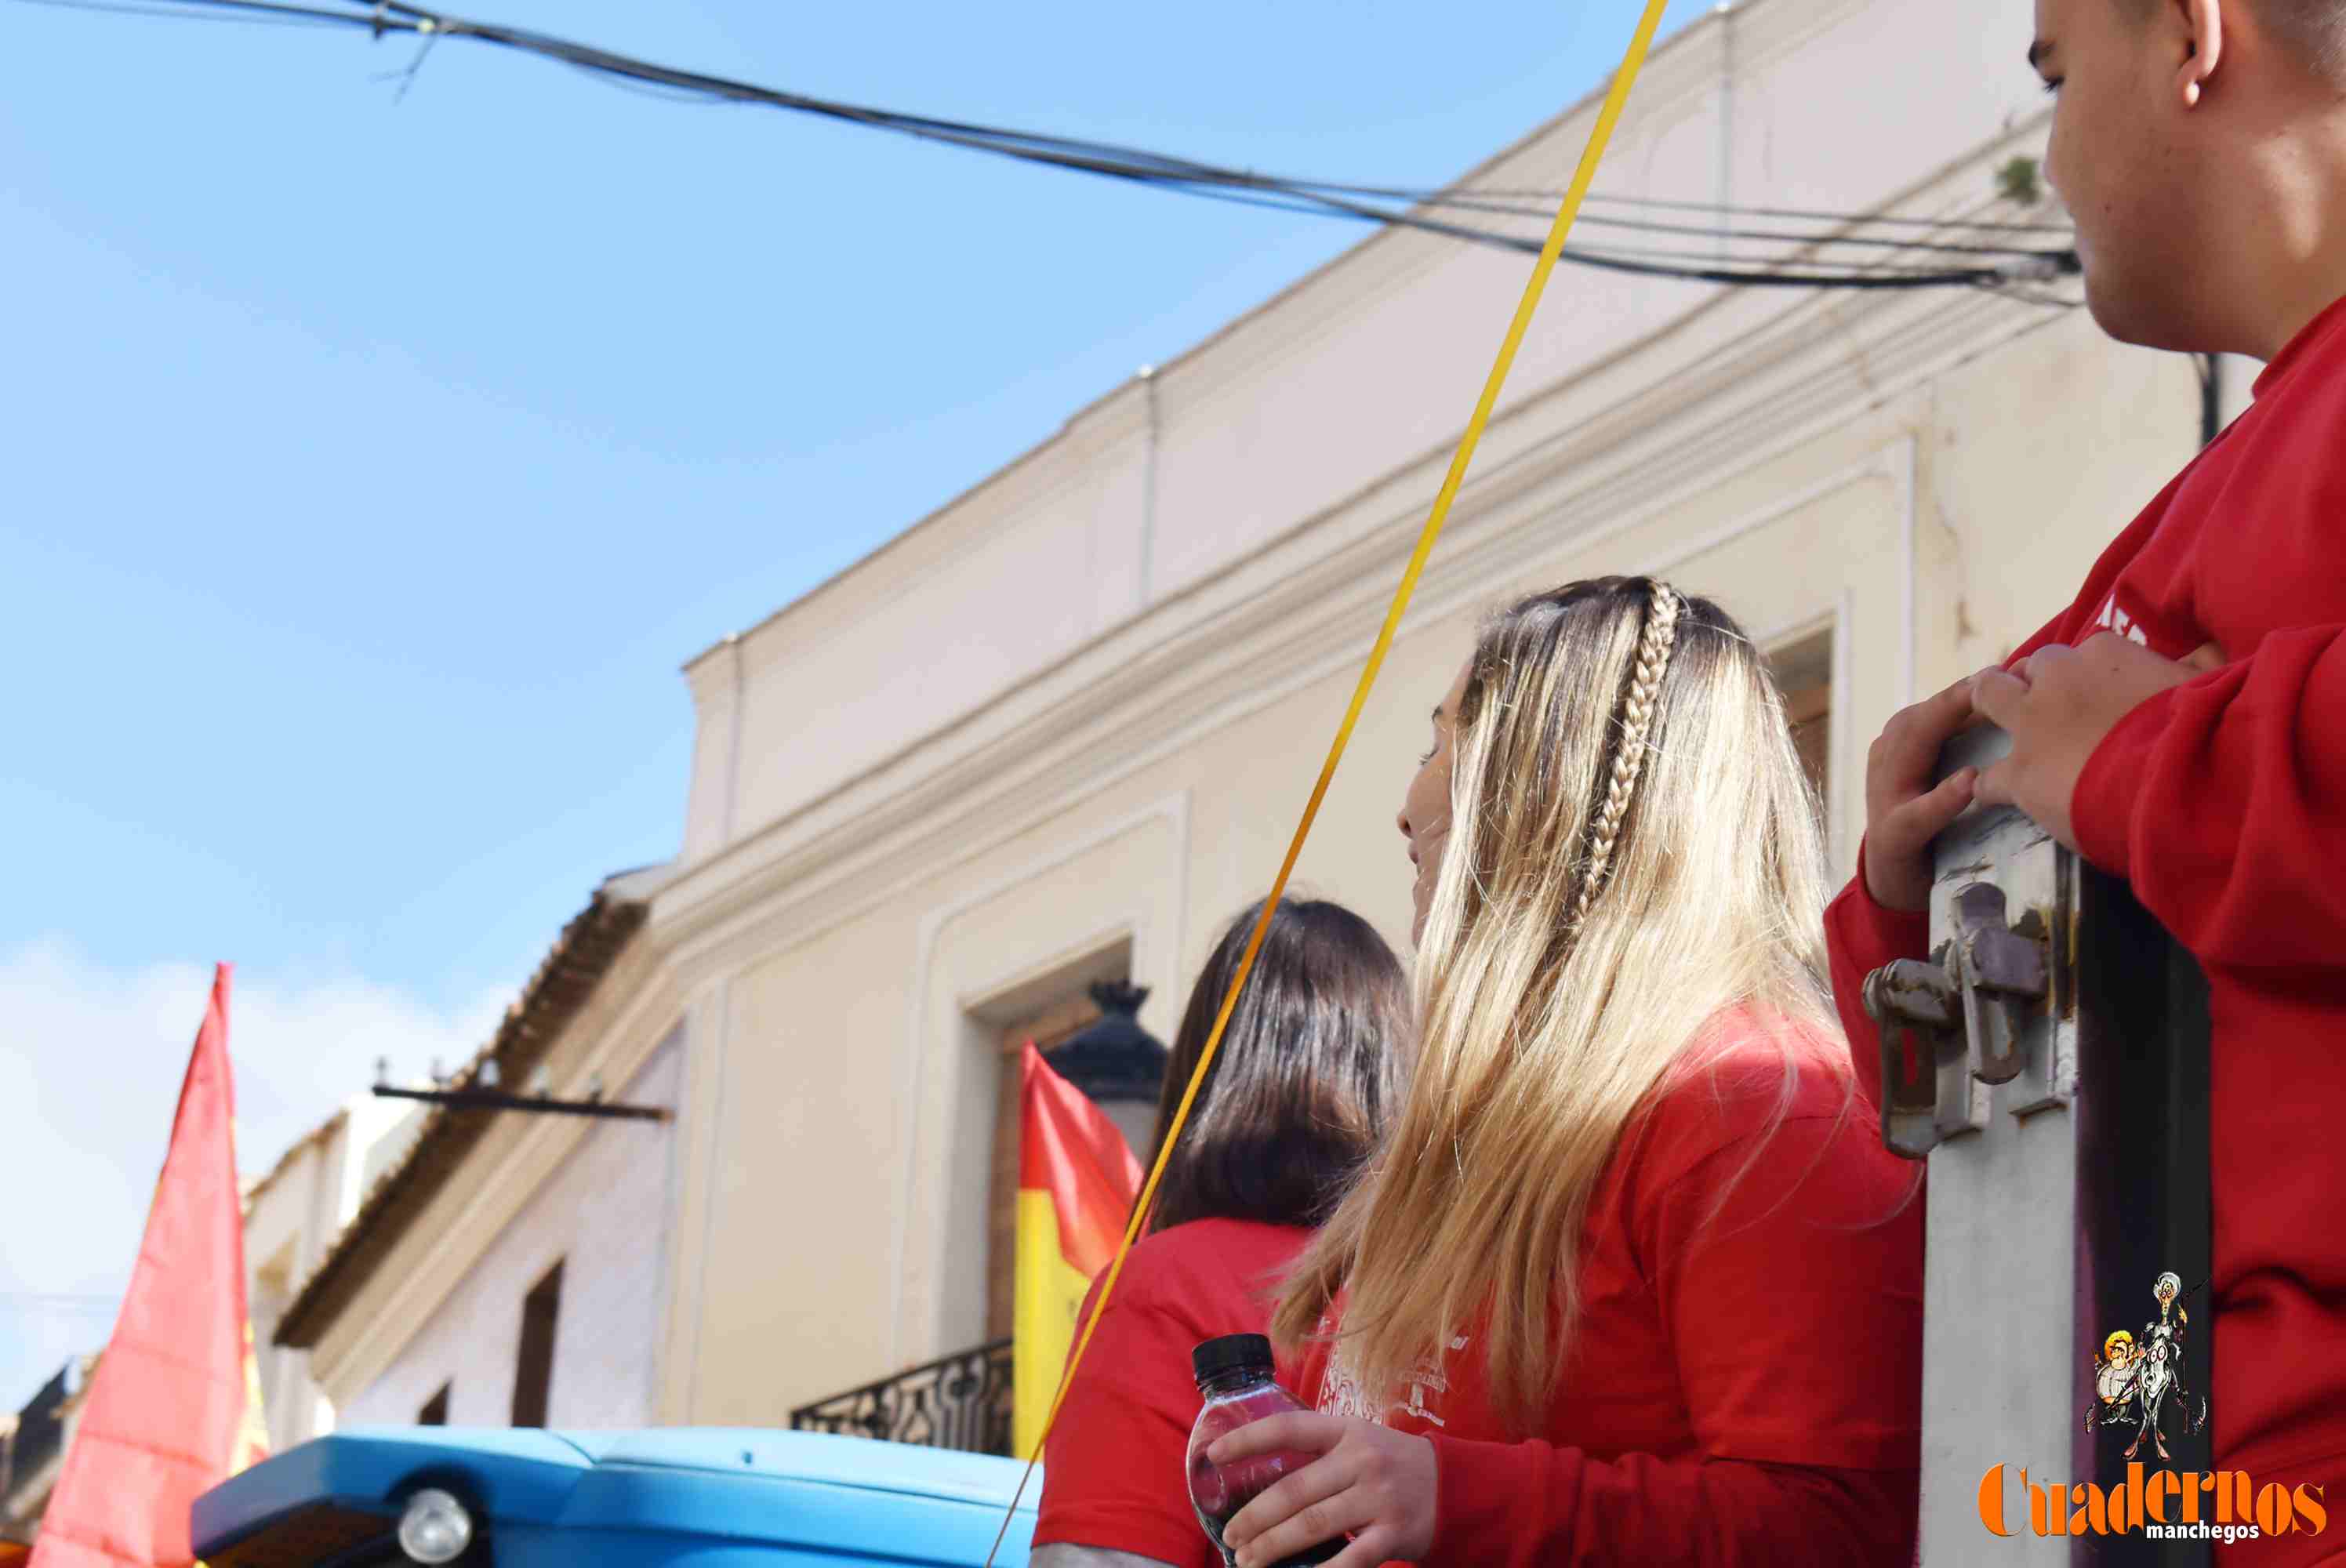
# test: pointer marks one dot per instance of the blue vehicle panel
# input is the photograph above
(710, 1498)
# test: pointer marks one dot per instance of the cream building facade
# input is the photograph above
(1061, 730)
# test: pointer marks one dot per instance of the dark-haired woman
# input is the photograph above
(1309, 1071)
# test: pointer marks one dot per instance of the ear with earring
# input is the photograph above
(2207, 47)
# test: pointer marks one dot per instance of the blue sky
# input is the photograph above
(371, 465)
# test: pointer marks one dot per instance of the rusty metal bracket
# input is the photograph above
(1999, 973)
(1961, 1018)
(1915, 1006)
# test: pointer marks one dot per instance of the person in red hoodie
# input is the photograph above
(1632, 1278)
(1308, 1075)
(2182, 724)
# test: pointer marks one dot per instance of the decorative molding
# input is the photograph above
(1909, 567)
(1219, 649)
(1842, 735)
(1153, 956)
(1699, 409)
(694, 1317)
(1296, 321)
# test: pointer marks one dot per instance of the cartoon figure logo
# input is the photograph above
(2138, 1381)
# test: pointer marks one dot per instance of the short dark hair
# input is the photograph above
(1308, 1074)
(2315, 28)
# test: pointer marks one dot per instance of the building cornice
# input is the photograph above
(1564, 466)
(1293, 321)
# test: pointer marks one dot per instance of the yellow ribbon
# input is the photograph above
(1616, 98)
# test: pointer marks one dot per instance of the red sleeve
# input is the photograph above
(2218, 802)
(1114, 1465)
(1789, 1273)
(1860, 936)
(1526, 1504)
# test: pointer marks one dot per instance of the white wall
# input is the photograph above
(603, 1215)
(1368, 365)
(290, 1223)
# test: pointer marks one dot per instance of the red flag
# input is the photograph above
(1076, 1181)
(168, 1400)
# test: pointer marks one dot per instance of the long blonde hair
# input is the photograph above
(1633, 851)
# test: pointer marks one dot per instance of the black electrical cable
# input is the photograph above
(1141, 166)
(1659, 263)
(1773, 236)
(1664, 204)
(262, 12)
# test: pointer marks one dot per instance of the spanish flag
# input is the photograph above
(174, 1407)
(1076, 1181)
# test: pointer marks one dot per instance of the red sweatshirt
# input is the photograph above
(2223, 803)
(1745, 1385)
(1114, 1469)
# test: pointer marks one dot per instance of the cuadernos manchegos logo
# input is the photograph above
(2140, 1386)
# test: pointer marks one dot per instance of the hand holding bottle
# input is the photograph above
(1236, 1379)
(1369, 1480)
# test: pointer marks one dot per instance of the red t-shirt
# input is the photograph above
(2223, 803)
(1746, 1381)
(1115, 1467)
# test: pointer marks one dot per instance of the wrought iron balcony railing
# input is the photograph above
(962, 1402)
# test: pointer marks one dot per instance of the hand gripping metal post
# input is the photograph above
(2050, 1063)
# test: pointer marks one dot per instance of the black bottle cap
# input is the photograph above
(1230, 1353)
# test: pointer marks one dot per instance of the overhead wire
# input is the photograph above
(1651, 226)
(1667, 204)
(285, 15)
(1997, 265)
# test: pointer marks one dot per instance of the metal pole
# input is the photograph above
(498, 1100)
(2050, 1059)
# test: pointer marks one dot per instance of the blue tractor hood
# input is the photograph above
(720, 1497)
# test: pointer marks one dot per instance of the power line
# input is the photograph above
(1662, 204)
(1683, 266)
(1999, 265)
(260, 11)
(1319, 191)
(1650, 226)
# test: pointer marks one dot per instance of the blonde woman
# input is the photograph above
(1631, 1279)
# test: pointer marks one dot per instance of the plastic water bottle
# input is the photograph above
(1236, 1380)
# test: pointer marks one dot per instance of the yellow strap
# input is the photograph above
(1606, 119)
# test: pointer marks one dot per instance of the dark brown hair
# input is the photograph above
(1309, 1071)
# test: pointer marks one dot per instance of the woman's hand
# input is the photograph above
(1370, 1481)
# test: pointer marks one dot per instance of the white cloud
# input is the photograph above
(90, 1064)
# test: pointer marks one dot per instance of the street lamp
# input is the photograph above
(1117, 1065)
